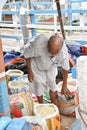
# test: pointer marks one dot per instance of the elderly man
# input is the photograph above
(43, 55)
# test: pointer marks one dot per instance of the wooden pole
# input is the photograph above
(29, 4)
(60, 17)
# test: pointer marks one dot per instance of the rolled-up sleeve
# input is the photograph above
(65, 64)
(63, 58)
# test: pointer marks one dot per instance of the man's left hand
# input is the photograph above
(65, 90)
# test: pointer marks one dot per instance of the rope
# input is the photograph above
(5, 113)
(80, 113)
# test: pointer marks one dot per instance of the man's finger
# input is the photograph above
(68, 94)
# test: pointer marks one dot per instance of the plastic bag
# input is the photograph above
(4, 121)
(35, 121)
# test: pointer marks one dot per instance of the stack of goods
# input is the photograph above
(21, 104)
(67, 104)
(50, 113)
(20, 97)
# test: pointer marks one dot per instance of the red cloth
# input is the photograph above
(84, 49)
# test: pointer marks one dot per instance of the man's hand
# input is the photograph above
(65, 90)
(30, 75)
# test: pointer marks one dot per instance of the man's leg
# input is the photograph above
(51, 77)
(40, 99)
(38, 89)
(53, 97)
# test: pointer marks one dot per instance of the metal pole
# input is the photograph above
(55, 18)
(70, 14)
(23, 23)
(32, 20)
(24, 28)
(60, 17)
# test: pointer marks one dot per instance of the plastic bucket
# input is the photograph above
(50, 113)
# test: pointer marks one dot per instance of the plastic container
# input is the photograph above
(73, 70)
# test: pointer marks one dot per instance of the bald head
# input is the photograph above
(55, 44)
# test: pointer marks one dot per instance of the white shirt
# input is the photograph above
(38, 52)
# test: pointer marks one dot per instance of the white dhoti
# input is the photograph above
(43, 80)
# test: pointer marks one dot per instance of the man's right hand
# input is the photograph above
(30, 75)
